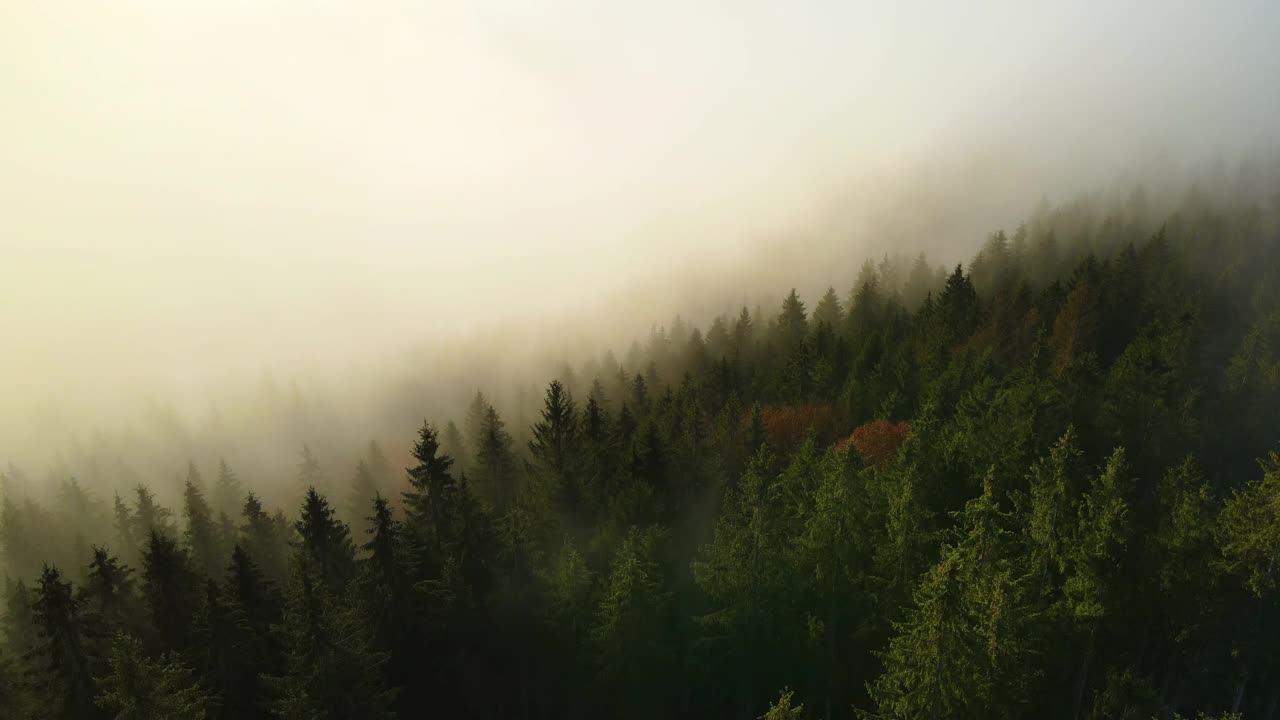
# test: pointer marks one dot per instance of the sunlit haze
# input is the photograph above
(194, 192)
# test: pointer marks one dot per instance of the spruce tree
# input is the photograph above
(496, 477)
(828, 310)
(264, 540)
(139, 688)
(631, 634)
(557, 454)
(150, 517)
(310, 475)
(361, 495)
(228, 656)
(125, 530)
(202, 535)
(325, 544)
(64, 647)
(109, 595)
(331, 671)
(962, 649)
(228, 493)
(744, 572)
(171, 589)
(390, 601)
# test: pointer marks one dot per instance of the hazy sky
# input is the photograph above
(187, 187)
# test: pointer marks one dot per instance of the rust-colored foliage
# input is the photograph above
(785, 425)
(877, 440)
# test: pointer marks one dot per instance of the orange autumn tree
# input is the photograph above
(877, 440)
(785, 425)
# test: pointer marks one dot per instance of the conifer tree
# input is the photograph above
(744, 572)
(448, 527)
(454, 444)
(331, 672)
(109, 594)
(171, 589)
(495, 464)
(828, 310)
(1051, 518)
(783, 709)
(325, 545)
(139, 688)
(125, 529)
(202, 535)
(229, 657)
(254, 594)
(960, 651)
(363, 490)
(557, 453)
(792, 323)
(149, 516)
(64, 647)
(310, 475)
(264, 540)
(388, 597)
(20, 633)
(228, 494)
(631, 631)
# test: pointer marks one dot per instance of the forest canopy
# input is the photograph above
(1042, 484)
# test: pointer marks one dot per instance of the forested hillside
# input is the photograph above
(1043, 484)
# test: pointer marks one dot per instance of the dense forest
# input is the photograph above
(1042, 484)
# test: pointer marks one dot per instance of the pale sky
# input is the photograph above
(190, 187)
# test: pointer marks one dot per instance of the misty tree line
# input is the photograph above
(1042, 486)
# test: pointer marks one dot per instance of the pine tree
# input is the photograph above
(962, 649)
(171, 590)
(202, 536)
(228, 493)
(125, 527)
(17, 698)
(264, 540)
(253, 593)
(228, 656)
(792, 323)
(150, 517)
(20, 632)
(331, 672)
(783, 709)
(109, 595)
(1052, 510)
(449, 529)
(139, 688)
(325, 544)
(453, 444)
(390, 601)
(828, 310)
(495, 464)
(15, 534)
(557, 453)
(631, 632)
(64, 645)
(745, 573)
(363, 490)
(477, 413)
(1248, 538)
(194, 477)
(310, 475)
